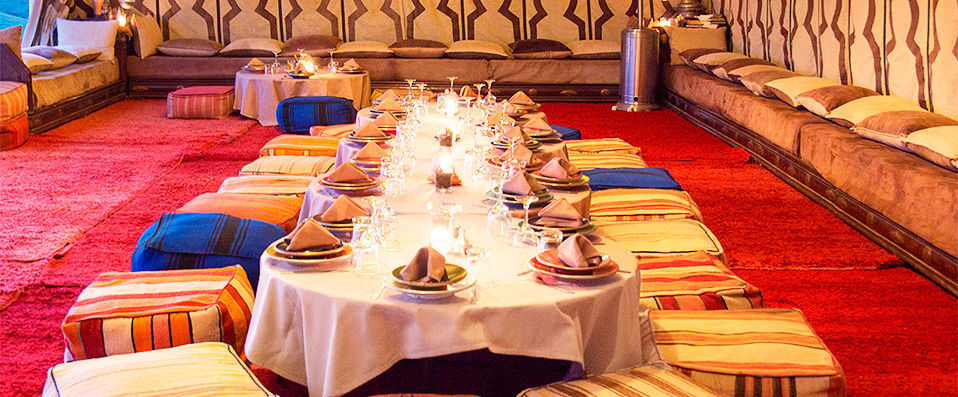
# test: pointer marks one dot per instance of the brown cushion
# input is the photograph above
(36, 64)
(891, 128)
(708, 62)
(83, 54)
(316, 45)
(252, 47)
(147, 35)
(688, 56)
(539, 49)
(594, 49)
(788, 89)
(755, 82)
(823, 100)
(682, 39)
(11, 37)
(476, 49)
(59, 57)
(189, 48)
(363, 49)
(723, 69)
(415, 48)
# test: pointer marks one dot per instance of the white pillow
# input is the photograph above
(91, 34)
(936, 144)
(253, 47)
(789, 88)
(855, 111)
(146, 35)
(36, 63)
(83, 54)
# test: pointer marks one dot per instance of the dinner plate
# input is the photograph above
(530, 144)
(553, 182)
(336, 259)
(529, 167)
(513, 201)
(352, 71)
(261, 69)
(281, 248)
(551, 259)
(366, 139)
(298, 75)
(450, 289)
(454, 274)
(348, 186)
(338, 226)
(586, 227)
(595, 274)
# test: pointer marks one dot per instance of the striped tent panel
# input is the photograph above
(289, 165)
(638, 381)
(332, 131)
(300, 145)
(643, 205)
(759, 352)
(278, 210)
(655, 239)
(697, 281)
(202, 369)
(590, 161)
(280, 185)
(122, 313)
(13, 99)
(14, 131)
(602, 145)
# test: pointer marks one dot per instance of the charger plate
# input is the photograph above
(454, 274)
(335, 259)
(587, 227)
(450, 289)
(531, 144)
(570, 273)
(281, 248)
(348, 186)
(554, 182)
(367, 139)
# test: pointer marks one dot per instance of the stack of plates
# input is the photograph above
(367, 139)
(370, 167)
(536, 164)
(531, 144)
(580, 180)
(254, 69)
(515, 201)
(457, 279)
(346, 186)
(548, 263)
(352, 71)
(586, 227)
(333, 257)
(545, 136)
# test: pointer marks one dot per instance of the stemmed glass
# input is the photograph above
(490, 99)
(498, 220)
(526, 236)
(333, 66)
(422, 88)
(479, 90)
(451, 80)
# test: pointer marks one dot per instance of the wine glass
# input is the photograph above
(409, 97)
(333, 66)
(498, 220)
(490, 99)
(479, 90)
(422, 89)
(451, 80)
(526, 236)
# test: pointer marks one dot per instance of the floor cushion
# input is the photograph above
(656, 239)
(567, 133)
(13, 99)
(14, 131)
(602, 145)
(642, 205)
(636, 178)
(121, 313)
(696, 281)
(333, 131)
(296, 115)
(639, 381)
(281, 185)
(289, 165)
(180, 371)
(278, 210)
(760, 352)
(297, 145)
(588, 161)
(201, 102)
(204, 241)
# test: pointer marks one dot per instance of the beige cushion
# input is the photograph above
(94, 34)
(855, 111)
(594, 49)
(937, 144)
(661, 238)
(711, 61)
(316, 45)
(823, 100)
(476, 49)
(414, 48)
(682, 39)
(756, 81)
(253, 47)
(363, 49)
(788, 89)
(723, 70)
(637, 381)
(83, 54)
(146, 35)
(539, 49)
(59, 57)
(36, 64)
(891, 128)
(189, 48)
(11, 37)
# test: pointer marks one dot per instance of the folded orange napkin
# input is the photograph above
(388, 94)
(578, 251)
(559, 213)
(344, 208)
(386, 120)
(370, 152)
(428, 266)
(521, 185)
(537, 124)
(520, 98)
(495, 117)
(522, 153)
(350, 64)
(311, 236)
(389, 105)
(255, 62)
(348, 173)
(370, 130)
(466, 91)
(560, 168)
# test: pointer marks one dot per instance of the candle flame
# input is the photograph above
(121, 18)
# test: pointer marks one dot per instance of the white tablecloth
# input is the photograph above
(325, 331)
(258, 94)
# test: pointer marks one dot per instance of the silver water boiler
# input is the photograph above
(639, 75)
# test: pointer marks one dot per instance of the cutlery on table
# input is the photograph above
(553, 286)
(379, 292)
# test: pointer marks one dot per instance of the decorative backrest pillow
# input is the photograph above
(83, 54)
(476, 49)
(688, 56)
(685, 39)
(825, 99)
(937, 144)
(892, 128)
(594, 49)
(539, 49)
(146, 35)
(853, 112)
(722, 71)
(788, 89)
(189, 48)
(36, 64)
(93, 34)
(59, 57)
(316, 45)
(253, 47)
(755, 82)
(11, 37)
(363, 49)
(415, 48)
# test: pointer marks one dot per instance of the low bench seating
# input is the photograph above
(278, 210)
(639, 381)
(201, 102)
(761, 352)
(656, 239)
(197, 369)
(298, 114)
(14, 122)
(121, 313)
(642, 205)
(289, 165)
(696, 281)
(279, 185)
(297, 145)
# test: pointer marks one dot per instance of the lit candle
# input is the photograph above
(444, 174)
(446, 138)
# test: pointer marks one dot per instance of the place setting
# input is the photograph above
(561, 215)
(428, 276)
(559, 173)
(541, 131)
(338, 218)
(370, 158)
(520, 154)
(369, 132)
(513, 136)
(520, 191)
(311, 246)
(576, 259)
(389, 105)
(348, 178)
(519, 104)
(350, 67)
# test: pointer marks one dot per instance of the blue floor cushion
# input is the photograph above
(636, 178)
(567, 133)
(296, 115)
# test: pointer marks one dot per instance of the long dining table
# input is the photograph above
(333, 330)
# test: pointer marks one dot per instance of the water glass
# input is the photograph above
(365, 247)
(549, 238)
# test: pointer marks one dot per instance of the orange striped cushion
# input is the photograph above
(760, 352)
(638, 381)
(300, 145)
(13, 99)
(697, 281)
(289, 165)
(211, 102)
(334, 131)
(281, 185)
(643, 205)
(589, 161)
(601, 145)
(14, 131)
(123, 313)
(278, 210)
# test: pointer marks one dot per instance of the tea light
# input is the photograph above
(444, 174)
(446, 138)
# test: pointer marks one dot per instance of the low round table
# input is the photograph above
(258, 94)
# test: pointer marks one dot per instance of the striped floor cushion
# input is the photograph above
(334, 131)
(588, 161)
(201, 102)
(642, 205)
(602, 145)
(697, 281)
(278, 210)
(202, 369)
(14, 131)
(300, 145)
(760, 352)
(289, 165)
(656, 239)
(639, 381)
(122, 313)
(13, 99)
(279, 185)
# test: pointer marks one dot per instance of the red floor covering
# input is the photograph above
(893, 331)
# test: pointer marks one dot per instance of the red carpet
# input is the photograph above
(885, 326)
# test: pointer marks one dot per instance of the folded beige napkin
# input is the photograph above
(578, 251)
(559, 213)
(428, 266)
(466, 91)
(348, 173)
(520, 98)
(538, 125)
(311, 236)
(560, 168)
(370, 152)
(580, 200)
(513, 132)
(388, 105)
(255, 62)
(386, 120)
(521, 185)
(350, 64)
(370, 130)
(388, 94)
(522, 153)
(344, 208)
(508, 107)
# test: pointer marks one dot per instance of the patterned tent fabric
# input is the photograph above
(296, 145)
(289, 165)
(121, 313)
(180, 371)
(642, 205)
(638, 381)
(697, 281)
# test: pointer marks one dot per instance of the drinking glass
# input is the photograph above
(498, 220)
(526, 236)
(549, 238)
(365, 245)
(333, 66)
(490, 99)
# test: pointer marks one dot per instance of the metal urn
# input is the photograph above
(639, 75)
